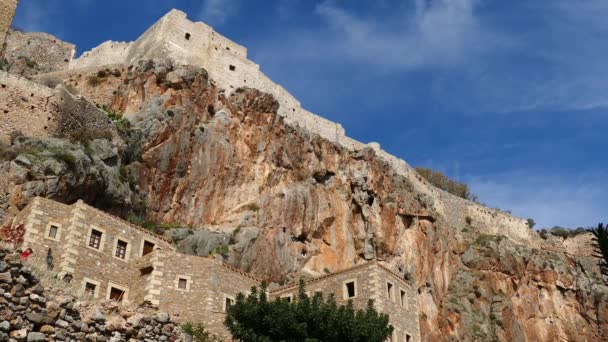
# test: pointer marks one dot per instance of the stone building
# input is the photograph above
(7, 12)
(109, 258)
(391, 294)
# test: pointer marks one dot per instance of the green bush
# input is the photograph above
(199, 333)
(85, 135)
(255, 318)
(442, 181)
(531, 223)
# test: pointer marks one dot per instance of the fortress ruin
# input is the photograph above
(112, 259)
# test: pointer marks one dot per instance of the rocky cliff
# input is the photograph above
(285, 201)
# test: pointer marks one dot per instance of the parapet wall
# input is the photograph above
(7, 12)
(107, 53)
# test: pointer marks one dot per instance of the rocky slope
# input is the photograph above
(284, 201)
(32, 312)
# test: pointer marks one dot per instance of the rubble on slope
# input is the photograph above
(30, 312)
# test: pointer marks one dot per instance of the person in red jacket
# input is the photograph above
(26, 253)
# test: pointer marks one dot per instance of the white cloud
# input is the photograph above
(549, 200)
(428, 33)
(215, 12)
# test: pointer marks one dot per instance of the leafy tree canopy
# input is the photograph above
(255, 319)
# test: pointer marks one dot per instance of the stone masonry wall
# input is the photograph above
(209, 283)
(71, 251)
(7, 12)
(25, 106)
(46, 52)
(370, 283)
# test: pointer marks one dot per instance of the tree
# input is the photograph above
(531, 223)
(199, 333)
(600, 245)
(254, 318)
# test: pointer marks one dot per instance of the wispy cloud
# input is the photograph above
(568, 201)
(216, 12)
(422, 34)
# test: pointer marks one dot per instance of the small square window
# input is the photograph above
(187, 36)
(95, 239)
(121, 249)
(116, 294)
(53, 232)
(89, 289)
(232, 67)
(148, 248)
(182, 283)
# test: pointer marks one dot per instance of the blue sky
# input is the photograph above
(510, 97)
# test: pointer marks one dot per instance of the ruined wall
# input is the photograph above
(43, 52)
(39, 111)
(7, 12)
(109, 52)
(370, 283)
(26, 106)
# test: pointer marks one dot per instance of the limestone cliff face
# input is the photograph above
(291, 202)
(232, 162)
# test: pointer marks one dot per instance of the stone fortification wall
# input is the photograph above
(43, 52)
(370, 282)
(107, 53)
(37, 110)
(26, 106)
(7, 12)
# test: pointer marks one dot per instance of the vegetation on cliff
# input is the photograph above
(254, 318)
(442, 181)
(600, 244)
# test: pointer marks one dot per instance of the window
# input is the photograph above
(53, 231)
(228, 301)
(349, 289)
(147, 248)
(95, 239)
(408, 338)
(287, 297)
(389, 290)
(121, 249)
(116, 294)
(89, 289)
(403, 297)
(187, 36)
(232, 67)
(182, 283)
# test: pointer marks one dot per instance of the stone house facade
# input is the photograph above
(109, 258)
(391, 294)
